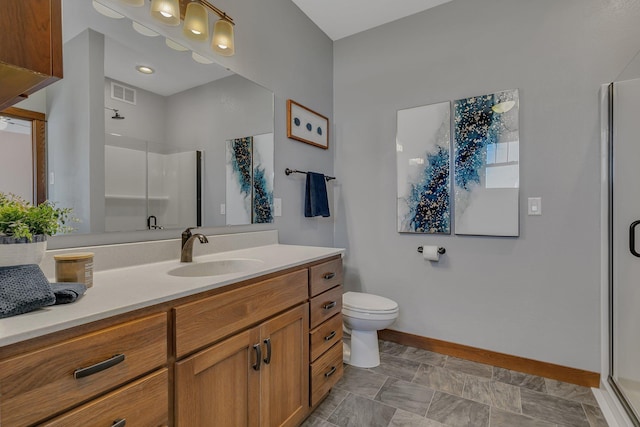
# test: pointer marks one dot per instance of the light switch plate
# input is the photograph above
(223, 209)
(535, 206)
(277, 206)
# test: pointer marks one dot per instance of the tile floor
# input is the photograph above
(419, 388)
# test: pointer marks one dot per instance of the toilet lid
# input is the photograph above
(359, 301)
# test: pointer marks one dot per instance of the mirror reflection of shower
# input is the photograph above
(116, 114)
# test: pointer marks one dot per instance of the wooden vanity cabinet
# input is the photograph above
(38, 384)
(30, 47)
(256, 377)
(325, 336)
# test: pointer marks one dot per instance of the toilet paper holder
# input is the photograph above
(441, 250)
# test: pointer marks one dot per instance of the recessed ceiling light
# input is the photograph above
(175, 46)
(104, 10)
(144, 69)
(144, 30)
(115, 134)
(200, 59)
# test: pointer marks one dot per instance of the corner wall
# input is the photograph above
(536, 296)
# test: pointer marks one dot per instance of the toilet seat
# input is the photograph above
(359, 302)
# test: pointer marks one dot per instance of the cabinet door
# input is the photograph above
(219, 386)
(285, 369)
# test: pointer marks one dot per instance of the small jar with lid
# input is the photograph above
(75, 267)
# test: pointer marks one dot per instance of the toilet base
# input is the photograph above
(361, 349)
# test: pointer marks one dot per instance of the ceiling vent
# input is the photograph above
(123, 93)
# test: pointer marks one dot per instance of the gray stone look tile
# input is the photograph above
(519, 379)
(357, 411)
(407, 419)
(455, 411)
(313, 421)
(469, 367)
(570, 391)
(361, 382)
(392, 348)
(440, 379)
(501, 418)
(553, 409)
(595, 416)
(330, 403)
(425, 356)
(396, 367)
(407, 396)
(492, 393)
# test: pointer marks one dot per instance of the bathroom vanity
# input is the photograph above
(258, 347)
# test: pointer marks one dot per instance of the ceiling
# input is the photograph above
(342, 18)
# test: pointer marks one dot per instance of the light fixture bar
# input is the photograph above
(217, 11)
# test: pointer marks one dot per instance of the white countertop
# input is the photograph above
(122, 290)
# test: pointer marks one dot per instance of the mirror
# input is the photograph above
(133, 151)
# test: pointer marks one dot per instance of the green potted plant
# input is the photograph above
(24, 228)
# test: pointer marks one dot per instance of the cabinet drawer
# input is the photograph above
(203, 322)
(325, 336)
(142, 403)
(325, 372)
(325, 305)
(325, 276)
(36, 385)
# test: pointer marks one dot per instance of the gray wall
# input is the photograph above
(536, 296)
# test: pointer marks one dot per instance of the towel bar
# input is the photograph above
(288, 172)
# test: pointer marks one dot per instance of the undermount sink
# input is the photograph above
(216, 268)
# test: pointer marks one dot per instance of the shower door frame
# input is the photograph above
(631, 412)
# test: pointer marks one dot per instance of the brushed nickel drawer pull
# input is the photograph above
(98, 367)
(330, 336)
(329, 276)
(119, 423)
(329, 305)
(331, 372)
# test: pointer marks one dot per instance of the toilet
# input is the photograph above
(363, 315)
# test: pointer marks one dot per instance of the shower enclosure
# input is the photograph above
(624, 243)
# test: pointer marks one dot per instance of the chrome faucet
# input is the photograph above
(187, 244)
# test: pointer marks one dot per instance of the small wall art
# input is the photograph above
(486, 164)
(305, 125)
(423, 155)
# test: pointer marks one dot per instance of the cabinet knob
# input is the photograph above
(329, 276)
(267, 359)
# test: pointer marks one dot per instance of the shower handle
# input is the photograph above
(632, 238)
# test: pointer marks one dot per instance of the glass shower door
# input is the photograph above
(624, 243)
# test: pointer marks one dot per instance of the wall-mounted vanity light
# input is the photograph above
(196, 21)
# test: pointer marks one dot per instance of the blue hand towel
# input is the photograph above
(23, 288)
(316, 202)
(68, 292)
